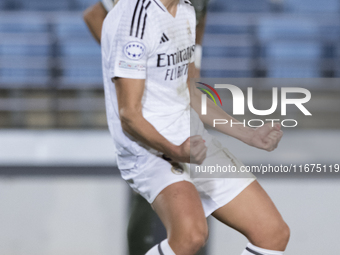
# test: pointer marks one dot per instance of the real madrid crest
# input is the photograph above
(177, 168)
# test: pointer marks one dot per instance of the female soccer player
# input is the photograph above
(147, 50)
(143, 220)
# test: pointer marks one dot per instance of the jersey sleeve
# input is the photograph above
(131, 45)
(109, 4)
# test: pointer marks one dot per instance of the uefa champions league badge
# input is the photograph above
(134, 50)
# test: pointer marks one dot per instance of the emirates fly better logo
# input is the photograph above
(239, 102)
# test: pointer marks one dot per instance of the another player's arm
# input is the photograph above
(129, 95)
(266, 137)
(94, 17)
(199, 40)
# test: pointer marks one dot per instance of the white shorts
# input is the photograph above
(152, 173)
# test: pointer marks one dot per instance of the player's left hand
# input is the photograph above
(266, 137)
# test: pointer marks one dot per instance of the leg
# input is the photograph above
(254, 215)
(180, 209)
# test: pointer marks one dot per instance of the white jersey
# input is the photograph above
(109, 4)
(142, 40)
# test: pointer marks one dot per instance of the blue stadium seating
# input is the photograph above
(46, 5)
(218, 45)
(24, 72)
(79, 54)
(227, 46)
(312, 6)
(10, 5)
(293, 59)
(293, 69)
(290, 46)
(288, 27)
(231, 51)
(71, 26)
(23, 23)
(226, 67)
(83, 4)
(25, 50)
(294, 50)
(85, 72)
(43, 5)
(240, 6)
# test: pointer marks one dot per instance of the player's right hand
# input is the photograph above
(192, 150)
(266, 137)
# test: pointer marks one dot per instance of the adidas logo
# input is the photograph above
(164, 39)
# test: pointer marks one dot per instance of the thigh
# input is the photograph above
(251, 212)
(178, 205)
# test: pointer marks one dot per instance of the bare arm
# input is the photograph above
(129, 94)
(199, 40)
(200, 30)
(265, 137)
(94, 17)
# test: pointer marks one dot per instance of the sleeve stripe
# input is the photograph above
(140, 15)
(133, 17)
(159, 5)
(142, 7)
(187, 2)
(143, 26)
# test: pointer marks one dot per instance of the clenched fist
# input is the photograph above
(192, 150)
(266, 137)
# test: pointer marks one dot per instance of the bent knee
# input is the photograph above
(197, 240)
(274, 236)
(189, 240)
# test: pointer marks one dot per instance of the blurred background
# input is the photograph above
(60, 190)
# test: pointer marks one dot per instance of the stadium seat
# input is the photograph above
(83, 4)
(293, 69)
(227, 46)
(79, 53)
(240, 6)
(46, 5)
(10, 5)
(80, 63)
(3, 5)
(25, 49)
(217, 45)
(312, 6)
(24, 72)
(288, 27)
(226, 67)
(293, 50)
(23, 23)
(71, 26)
(81, 72)
(337, 61)
(293, 59)
(290, 46)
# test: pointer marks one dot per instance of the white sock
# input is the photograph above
(161, 249)
(254, 250)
